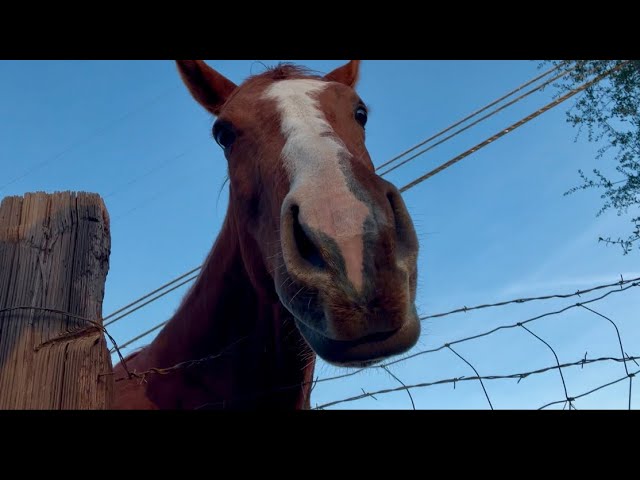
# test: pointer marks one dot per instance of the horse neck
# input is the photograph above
(254, 354)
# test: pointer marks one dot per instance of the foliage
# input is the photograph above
(609, 111)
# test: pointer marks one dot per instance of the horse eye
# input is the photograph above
(223, 134)
(361, 116)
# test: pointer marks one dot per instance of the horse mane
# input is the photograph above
(281, 71)
(286, 71)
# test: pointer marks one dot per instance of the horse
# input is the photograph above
(317, 254)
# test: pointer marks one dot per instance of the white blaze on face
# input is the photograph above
(311, 157)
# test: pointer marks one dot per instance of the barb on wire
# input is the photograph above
(96, 324)
(487, 377)
(476, 372)
(369, 394)
(564, 384)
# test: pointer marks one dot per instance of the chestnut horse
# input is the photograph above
(317, 253)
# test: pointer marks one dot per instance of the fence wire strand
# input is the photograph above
(623, 285)
(564, 383)
(578, 293)
(68, 335)
(513, 376)
(478, 376)
(471, 115)
(511, 128)
(475, 122)
(615, 288)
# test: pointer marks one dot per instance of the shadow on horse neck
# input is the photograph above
(317, 254)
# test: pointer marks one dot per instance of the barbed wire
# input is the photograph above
(73, 333)
(622, 286)
(567, 400)
(578, 293)
(97, 326)
(188, 364)
(518, 376)
(488, 332)
(630, 376)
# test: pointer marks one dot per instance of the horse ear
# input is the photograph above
(208, 87)
(347, 74)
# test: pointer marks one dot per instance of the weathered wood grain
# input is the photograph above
(54, 253)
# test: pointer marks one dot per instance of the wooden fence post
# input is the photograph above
(54, 258)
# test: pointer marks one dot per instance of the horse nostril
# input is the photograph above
(307, 249)
(406, 240)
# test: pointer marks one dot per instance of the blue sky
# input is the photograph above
(494, 227)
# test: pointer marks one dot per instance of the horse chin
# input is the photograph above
(365, 351)
(347, 333)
